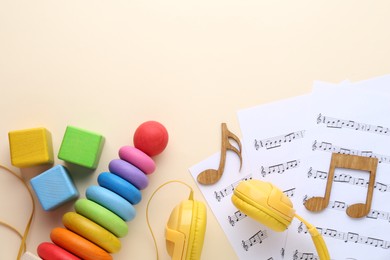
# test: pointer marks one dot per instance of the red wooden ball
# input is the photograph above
(151, 137)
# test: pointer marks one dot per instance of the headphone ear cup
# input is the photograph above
(198, 230)
(174, 237)
(185, 230)
(258, 214)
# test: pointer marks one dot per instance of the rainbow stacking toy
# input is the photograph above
(93, 231)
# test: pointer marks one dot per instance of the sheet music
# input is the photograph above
(378, 84)
(283, 126)
(246, 236)
(349, 122)
(271, 154)
(289, 143)
(272, 137)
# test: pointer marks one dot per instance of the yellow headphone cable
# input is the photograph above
(22, 248)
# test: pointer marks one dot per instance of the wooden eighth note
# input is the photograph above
(211, 176)
(353, 162)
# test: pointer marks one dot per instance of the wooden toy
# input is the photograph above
(81, 147)
(129, 172)
(78, 245)
(48, 250)
(137, 158)
(111, 201)
(30, 147)
(349, 162)
(30, 256)
(100, 218)
(151, 137)
(54, 187)
(211, 176)
(120, 186)
(91, 231)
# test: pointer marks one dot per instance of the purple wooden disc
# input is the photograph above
(129, 172)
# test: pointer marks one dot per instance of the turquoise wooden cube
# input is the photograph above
(54, 187)
(81, 147)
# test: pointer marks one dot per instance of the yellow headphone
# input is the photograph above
(268, 205)
(185, 229)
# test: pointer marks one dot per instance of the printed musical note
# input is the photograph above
(302, 228)
(229, 189)
(342, 206)
(238, 215)
(317, 174)
(277, 141)
(258, 144)
(346, 178)
(348, 237)
(339, 205)
(376, 214)
(310, 256)
(331, 122)
(257, 238)
(356, 238)
(305, 256)
(282, 252)
(305, 198)
(211, 176)
(357, 210)
(279, 168)
(289, 193)
(329, 147)
(381, 186)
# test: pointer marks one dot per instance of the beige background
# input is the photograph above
(108, 66)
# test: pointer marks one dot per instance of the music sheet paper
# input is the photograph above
(380, 84)
(350, 122)
(289, 144)
(273, 135)
(243, 233)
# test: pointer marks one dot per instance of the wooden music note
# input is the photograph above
(349, 162)
(211, 176)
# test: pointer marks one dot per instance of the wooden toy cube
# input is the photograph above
(29, 256)
(54, 187)
(81, 147)
(30, 147)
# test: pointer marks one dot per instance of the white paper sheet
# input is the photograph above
(272, 137)
(278, 146)
(243, 233)
(353, 122)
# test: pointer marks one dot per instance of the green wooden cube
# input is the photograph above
(81, 147)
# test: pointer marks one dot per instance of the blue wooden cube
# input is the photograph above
(54, 187)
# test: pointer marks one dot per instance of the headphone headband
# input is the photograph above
(268, 205)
